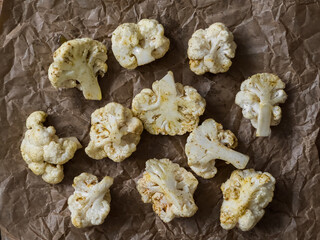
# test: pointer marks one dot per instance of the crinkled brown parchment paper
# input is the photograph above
(282, 37)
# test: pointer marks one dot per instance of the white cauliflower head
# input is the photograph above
(169, 187)
(209, 142)
(90, 203)
(169, 108)
(44, 151)
(259, 98)
(211, 50)
(139, 44)
(115, 133)
(246, 193)
(77, 63)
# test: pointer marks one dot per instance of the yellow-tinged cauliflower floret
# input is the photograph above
(90, 203)
(139, 44)
(77, 63)
(169, 108)
(209, 142)
(210, 50)
(169, 188)
(259, 98)
(115, 133)
(246, 193)
(44, 151)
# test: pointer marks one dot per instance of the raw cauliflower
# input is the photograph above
(211, 50)
(90, 203)
(77, 63)
(246, 193)
(209, 142)
(44, 151)
(259, 98)
(115, 133)
(169, 187)
(169, 108)
(139, 44)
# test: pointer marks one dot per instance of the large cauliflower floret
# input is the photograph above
(115, 133)
(77, 63)
(90, 203)
(138, 44)
(209, 142)
(169, 108)
(210, 50)
(259, 98)
(246, 193)
(170, 188)
(44, 151)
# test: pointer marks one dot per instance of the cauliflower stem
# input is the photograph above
(229, 155)
(88, 85)
(264, 120)
(142, 55)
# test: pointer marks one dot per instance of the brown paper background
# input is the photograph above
(281, 37)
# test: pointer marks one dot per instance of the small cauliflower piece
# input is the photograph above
(210, 50)
(169, 108)
(246, 193)
(90, 203)
(115, 133)
(169, 187)
(139, 44)
(44, 151)
(259, 98)
(77, 63)
(209, 142)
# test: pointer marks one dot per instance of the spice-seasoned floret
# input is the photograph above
(169, 188)
(44, 151)
(169, 108)
(77, 63)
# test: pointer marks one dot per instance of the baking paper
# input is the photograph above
(280, 37)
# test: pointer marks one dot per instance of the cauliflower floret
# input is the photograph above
(90, 203)
(169, 187)
(139, 44)
(44, 151)
(259, 98)
(115, 133)
(245, 195)
(77, 63)
(210, 50)
(169, 108)
(209, 142)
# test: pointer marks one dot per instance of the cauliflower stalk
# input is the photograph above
(90, 203)
(169, 108)
(44, 151)
(77, 63)
(115, 133)
(169, 187)
(209, 142)
(259, 98)
(246, 193)
(139, 44)
(210, 50)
